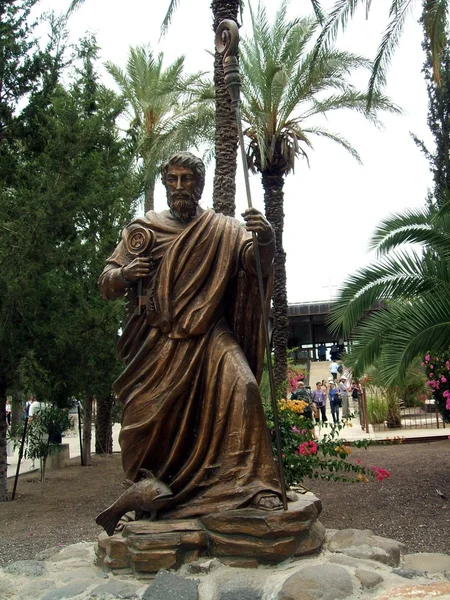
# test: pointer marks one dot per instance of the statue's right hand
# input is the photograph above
(138, 268)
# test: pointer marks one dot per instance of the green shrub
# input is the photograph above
(377, 408)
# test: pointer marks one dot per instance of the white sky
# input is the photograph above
(331, 208)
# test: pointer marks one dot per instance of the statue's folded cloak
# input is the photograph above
(192, 411)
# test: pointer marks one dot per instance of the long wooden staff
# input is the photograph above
(227, 42)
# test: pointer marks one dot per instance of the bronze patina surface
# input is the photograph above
(192, 412)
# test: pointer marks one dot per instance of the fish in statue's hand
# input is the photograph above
(145, 496)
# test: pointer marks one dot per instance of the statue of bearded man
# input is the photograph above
(192, 412)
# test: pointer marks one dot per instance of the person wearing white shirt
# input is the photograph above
(334, 369)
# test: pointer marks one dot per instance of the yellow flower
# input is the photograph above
(347, 449)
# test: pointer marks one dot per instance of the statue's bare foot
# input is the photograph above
(266, 501)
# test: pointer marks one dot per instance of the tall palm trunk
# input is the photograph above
(149, 201)
(103, 425)
(273, 201)
(224, 191)
(3, 430)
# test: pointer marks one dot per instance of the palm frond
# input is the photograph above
(320, 15)
(401, 275)
(169, 16)
(426, 227)
(74, 5)
(388, 44)
(342, 11)
(335, 137)
(435, 17)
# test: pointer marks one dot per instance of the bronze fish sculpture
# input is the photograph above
(145, 496)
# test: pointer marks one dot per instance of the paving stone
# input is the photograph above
(364, 544)
(427, 561)
(48, 553)
(26, 568)
(81, 573)
(70, 590)
(408, 573)
(248, 585)
(324, 582)
(117, 589)
(368, 579)
(33, 589)
(8, 587)
(348, 561)
(168, 586)
(83, 551)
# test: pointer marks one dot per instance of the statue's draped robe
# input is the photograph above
(192, 411)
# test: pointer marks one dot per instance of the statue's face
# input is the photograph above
(180, 185)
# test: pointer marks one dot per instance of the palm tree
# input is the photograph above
(226, 138)
(168, 110)
(435, 17)
(410, 284)
(283, 88)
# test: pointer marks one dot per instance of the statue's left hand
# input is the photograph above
(257, 222)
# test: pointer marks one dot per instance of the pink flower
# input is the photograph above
(431, 366)
(444, 379)
(427, 358)
(295, 429)
(307, 448)
(380, 473)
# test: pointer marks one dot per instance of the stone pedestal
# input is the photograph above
(244, 537)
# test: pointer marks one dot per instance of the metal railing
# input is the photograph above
(425, 416)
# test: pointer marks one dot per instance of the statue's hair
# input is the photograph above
(190, 161)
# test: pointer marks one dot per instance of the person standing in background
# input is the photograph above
(343, 391)
(319, 399)
(335, 402)
(334, 369)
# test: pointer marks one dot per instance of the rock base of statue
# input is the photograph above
(244, 538)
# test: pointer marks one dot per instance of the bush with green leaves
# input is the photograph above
(377, 409)
(306, 456)
(48, 425)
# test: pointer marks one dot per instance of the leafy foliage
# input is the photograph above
(68, 190)
(437, 369)
(306, 456)
(168, 110)
(284, 87)
(435, 20)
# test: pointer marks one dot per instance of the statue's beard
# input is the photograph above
(183, 206)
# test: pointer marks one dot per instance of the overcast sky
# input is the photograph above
(332, 207)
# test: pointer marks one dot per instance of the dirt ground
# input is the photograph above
(405, 507)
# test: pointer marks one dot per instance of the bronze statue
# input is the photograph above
(192, 348)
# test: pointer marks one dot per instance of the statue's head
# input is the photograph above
(184, 178)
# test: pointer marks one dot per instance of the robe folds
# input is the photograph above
(192, 412)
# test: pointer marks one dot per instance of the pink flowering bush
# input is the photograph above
(380, 473)
(305, 456)
(295, 374)
(437, 370)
